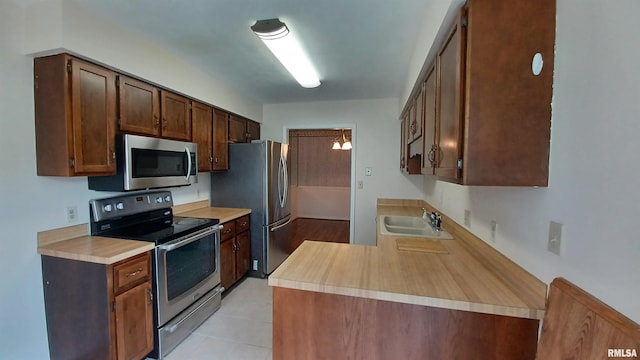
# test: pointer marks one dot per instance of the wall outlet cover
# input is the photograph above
(555, 237)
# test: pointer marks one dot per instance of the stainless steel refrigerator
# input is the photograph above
(258, 179)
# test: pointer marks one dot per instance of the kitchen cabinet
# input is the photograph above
(235, 250)
(253, 130)
(403, 143)
(493, 114)
(176, 116)
(220, 140)
(243, 130)
(138, 107)
(429, 127)
(75, 117)
(202, 134)
(449, 67)
(98, 311)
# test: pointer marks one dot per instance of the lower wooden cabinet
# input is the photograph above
(98, 311)
(235, 250)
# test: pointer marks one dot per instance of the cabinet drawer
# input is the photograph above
(242, 224)
(228, 231)
(131, 273)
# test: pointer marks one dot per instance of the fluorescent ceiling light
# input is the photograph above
(275, 34)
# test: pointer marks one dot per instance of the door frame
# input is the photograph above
(352, 127)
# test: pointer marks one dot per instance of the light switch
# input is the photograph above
(368, 171)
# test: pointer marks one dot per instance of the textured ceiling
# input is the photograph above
(361, 49)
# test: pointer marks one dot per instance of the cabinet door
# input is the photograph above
(253, 130)
(403, 142)
(134, 322)
(202, 134)
(419, 105)
(237, 129)
(220, 140)
(243, 253)
(93, 103)
(176, 116)
(227, 263)
(429, 129)
(412, 123)
(139, 107)
(449, 65)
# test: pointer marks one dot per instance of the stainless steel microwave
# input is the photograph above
(145, 163)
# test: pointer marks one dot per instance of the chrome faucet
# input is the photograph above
(434, 219)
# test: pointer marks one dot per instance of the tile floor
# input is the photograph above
(240, 329)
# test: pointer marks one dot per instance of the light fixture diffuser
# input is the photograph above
(276, 36)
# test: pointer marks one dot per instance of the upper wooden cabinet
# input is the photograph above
(75, 117)
(493, 115)
(449, 63)
(202, 134)
(139, 107)
(243, 130)
(220, 140)
(237, 129)
(253, 130)
(429, 127)
(176, 116)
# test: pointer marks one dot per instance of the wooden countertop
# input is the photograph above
(224, 214)
(74, 242)
(95, 249)
(472, 276)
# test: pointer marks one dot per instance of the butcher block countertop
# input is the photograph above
(75, 243)
(470, 275)
(201, 209)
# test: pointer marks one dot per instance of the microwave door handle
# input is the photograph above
(188, 164)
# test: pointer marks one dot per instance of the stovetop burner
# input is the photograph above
(146, 217)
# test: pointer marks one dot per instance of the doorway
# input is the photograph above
(321, 183)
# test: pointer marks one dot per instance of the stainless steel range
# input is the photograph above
(186, 262)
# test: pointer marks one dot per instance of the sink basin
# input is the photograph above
(411, 226)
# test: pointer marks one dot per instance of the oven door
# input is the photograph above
(186, 269)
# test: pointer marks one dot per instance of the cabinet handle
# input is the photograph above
(244, 223)
(431, 156)
(134, 273)
(150, 296)
(215, 159)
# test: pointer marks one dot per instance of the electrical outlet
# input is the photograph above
(467, 218)
(72, 214)
(555, 237)
(254, 265)
(494, 229)
(360, 185)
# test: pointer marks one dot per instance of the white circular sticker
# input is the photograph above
(536, 64)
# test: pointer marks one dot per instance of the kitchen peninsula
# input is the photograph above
(365, 302)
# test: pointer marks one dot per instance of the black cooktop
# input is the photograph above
(147, 227)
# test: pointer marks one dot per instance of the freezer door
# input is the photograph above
(280, 244)
(277, 182)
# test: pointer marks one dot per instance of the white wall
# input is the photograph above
(321, 202)
(593, 182)
(31, 203)
(376, 144)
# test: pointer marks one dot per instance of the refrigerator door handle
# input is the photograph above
(281, 178)
(281, 225)
(286, 181)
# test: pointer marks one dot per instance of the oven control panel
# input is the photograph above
(129, 204)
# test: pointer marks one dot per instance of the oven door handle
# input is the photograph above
(187, 240)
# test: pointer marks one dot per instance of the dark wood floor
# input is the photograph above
(320, 230)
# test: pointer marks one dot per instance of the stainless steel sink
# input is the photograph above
(411, 226)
